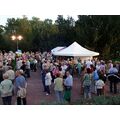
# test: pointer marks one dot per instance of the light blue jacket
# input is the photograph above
(6, 88)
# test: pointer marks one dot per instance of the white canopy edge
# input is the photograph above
(75, 50)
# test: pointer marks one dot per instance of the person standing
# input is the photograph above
(68, 83)
(102, 67)
(1, 73)
(35, 65)
(27, 72)
(79, 66)
(87, 84)
(113, 78)
(113, 70)
(59, 88)
(18, 63)
(43, 74)
(63, 67)
(11, 76)
(6, 88)
(48, 79)
(20, 83)
(83, 72)
(23, 67)
(98, 66)
(95, 78)
(99, 86)
(88, 63)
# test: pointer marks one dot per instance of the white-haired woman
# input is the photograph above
(20, 84)
(6, 88)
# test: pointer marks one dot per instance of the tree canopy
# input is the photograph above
(95, 32)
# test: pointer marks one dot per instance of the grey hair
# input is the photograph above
(21, 71)
(5, 76)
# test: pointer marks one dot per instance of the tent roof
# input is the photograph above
(75, 50)
(57, 49)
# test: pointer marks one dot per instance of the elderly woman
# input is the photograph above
(59, 88)
(20, 85)
(6, 88)
(87, 79)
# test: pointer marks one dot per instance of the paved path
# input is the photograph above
(34, 89)
(36, 96)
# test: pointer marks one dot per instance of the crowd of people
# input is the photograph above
(93, 75)
(15, 69)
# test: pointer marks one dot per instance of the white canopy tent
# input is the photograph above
(56, 49)
(76, 50)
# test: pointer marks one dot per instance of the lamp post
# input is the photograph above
(17, 38)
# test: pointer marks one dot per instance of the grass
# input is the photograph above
(96, 100)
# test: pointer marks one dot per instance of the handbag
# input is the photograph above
(21, 93)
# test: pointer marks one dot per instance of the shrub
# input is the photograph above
(96, 100)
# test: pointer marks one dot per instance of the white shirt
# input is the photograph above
(19, 64)
(35, 61)
(28, 65)
(64, 68)
(113, 70)
(88, 63)
(97, 67)
(99, 84)
(48, 79)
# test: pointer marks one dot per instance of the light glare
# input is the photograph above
(13, 37)
(19, 37)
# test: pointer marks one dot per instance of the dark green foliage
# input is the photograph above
(96, 100)
(100, 33)
(111, 100)
(101, 100)
(95, 32)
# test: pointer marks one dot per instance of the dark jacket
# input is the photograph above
(1, 75)
(113, 78)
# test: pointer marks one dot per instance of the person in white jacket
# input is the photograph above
(99, 86)
(48, 79)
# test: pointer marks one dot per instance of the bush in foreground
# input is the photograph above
(96, 100)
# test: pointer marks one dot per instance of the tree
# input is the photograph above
(19, 26)
(2, 40)
(66, 30)
(98, 32)
(95, 32)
